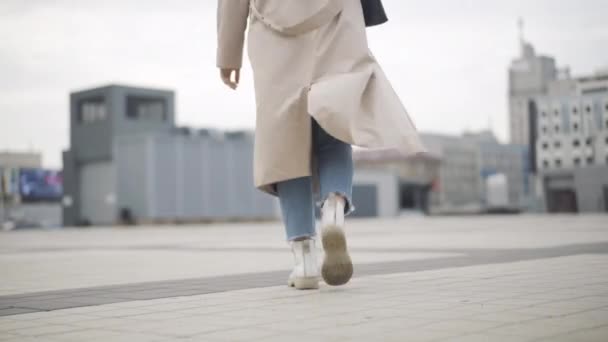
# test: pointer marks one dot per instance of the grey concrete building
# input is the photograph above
(563, 121)
(466, 162)
(450, 179)
(387, 183)
(572, 144)
(16, 160)
(510, 160)
(375, 193)
(189, 176)
(582, 189)
(127, 159)
(529, 76)
(458, 186)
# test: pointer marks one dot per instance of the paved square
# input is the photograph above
(492, 278)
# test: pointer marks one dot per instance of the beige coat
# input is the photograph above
(310, 58)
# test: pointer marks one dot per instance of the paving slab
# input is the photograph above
(499, 278)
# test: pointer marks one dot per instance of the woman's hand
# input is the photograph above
(227, 77)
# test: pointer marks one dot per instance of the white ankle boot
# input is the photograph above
(305, 274)
(337, 266)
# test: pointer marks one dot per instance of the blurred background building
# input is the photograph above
(572, 144)
(18, 160)
(563, 121)
(509, 161)
(468, 163)
(529, 76)
(128, 163)
(458, 185)
(460, 174)
(386, 183)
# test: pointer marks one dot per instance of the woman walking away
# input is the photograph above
(318, 91)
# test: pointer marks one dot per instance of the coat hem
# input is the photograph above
(410, 152)
(270, 187)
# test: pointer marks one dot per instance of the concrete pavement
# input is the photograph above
(492, 278)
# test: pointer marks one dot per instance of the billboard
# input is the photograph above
(40, 185)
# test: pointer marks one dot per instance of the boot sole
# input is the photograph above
(306, 283)
(337, 266)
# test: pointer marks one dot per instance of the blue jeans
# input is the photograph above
(335, 171)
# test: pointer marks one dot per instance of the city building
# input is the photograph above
(451, 178)
(458, 185)
(563, 121)
(387, 183)
(529, 76)
(510, 160)
(17, 160)
(128, 162)
(465, 166)
(572, 144)
(375, 194)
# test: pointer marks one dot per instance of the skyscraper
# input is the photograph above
(529, 76)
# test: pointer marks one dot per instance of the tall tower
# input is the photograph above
(529, 76)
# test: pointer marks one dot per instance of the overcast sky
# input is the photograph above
(447, 59)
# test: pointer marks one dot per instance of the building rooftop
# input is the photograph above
(121, 86)
(20, 159)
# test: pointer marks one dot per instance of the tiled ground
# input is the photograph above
(522, 278)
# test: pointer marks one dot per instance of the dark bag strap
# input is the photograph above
(373, 12)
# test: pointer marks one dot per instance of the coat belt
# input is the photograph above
(331, 9)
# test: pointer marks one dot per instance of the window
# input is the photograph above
(589, 141)
(575, 127)
(577, 161)
(146, 108)
(544, 129)
(556, 128)
(558, 162)
(576, 143)
(92, 110)
(556, 112)
(545, 146)
(574, 110)
(557, 144)
(588, 109)
(589, 160)
(544, 114)
(546, 163)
